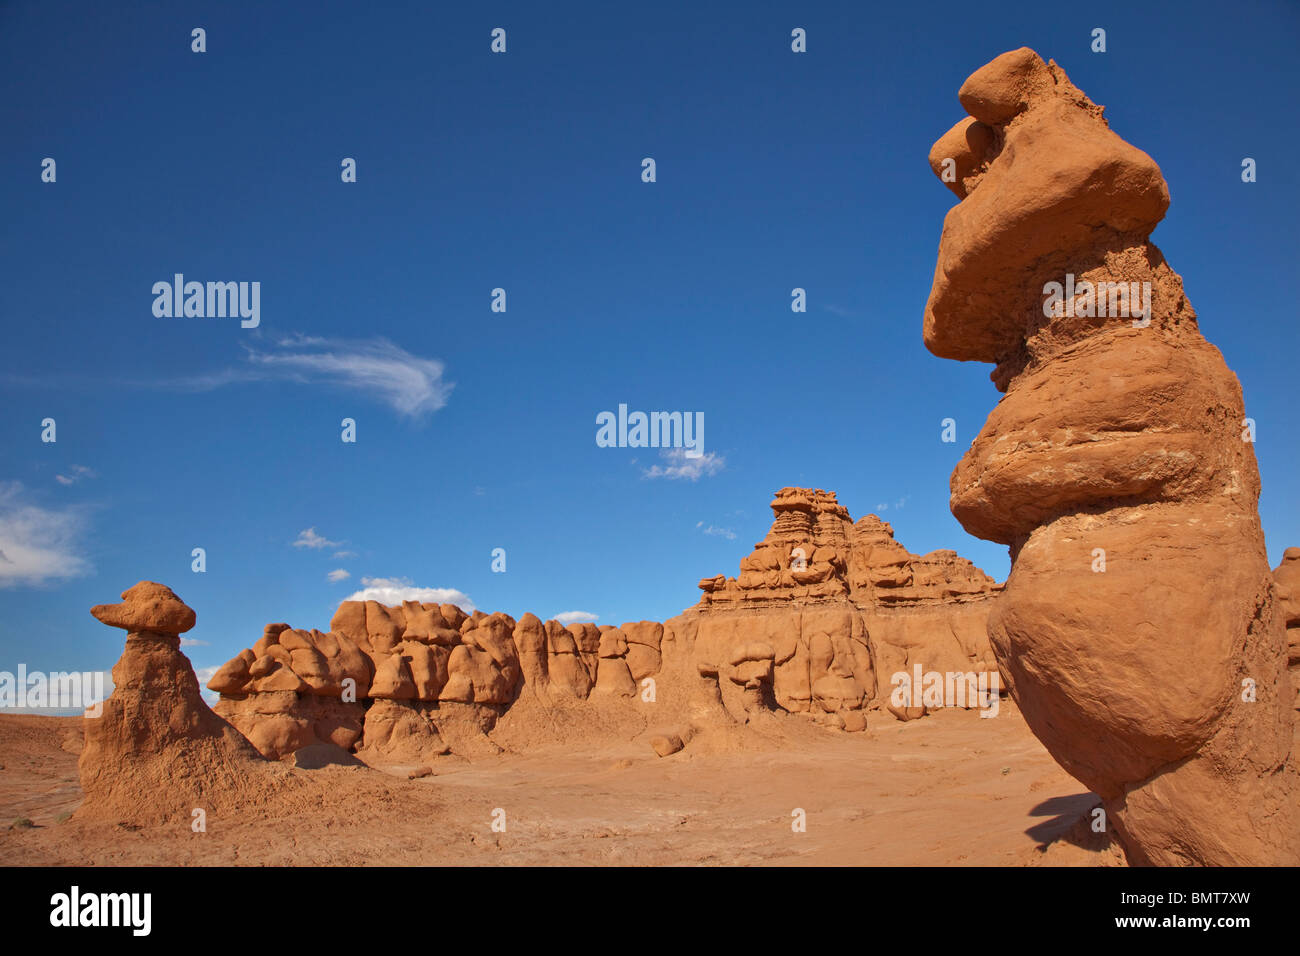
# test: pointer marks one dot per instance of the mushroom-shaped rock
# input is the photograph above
(148, 606)
(155, 750)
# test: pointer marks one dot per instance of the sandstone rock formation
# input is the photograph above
(1139, 630)
(842, 607)
(824, 612)
(1286, 580)
(157, 752)
(414, 681)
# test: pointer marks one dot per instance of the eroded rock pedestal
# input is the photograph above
(157, 752)
(1139, 630)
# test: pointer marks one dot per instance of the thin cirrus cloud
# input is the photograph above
(412, 386)
(37, 545)
(397, 590)
(75, 474)
(338, 574)
(681, 465)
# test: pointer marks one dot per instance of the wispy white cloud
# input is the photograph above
(75, 474)
(338, 574)
(719, 532)
(411, 385)
(397, 590)
(191, 642)
(37, 544)
(681, 466)
(576, 617)
(344, 555)
(310, 539)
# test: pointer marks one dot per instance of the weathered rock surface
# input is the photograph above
(843, 607)
(414, 681)
(1286, 581)
(1140, 630)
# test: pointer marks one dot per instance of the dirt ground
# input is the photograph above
(950, 789)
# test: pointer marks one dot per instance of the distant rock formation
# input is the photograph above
(413, 681)
(820, 608)
(157, 751)
(843, 608)
(814, 552)
(1139, 630)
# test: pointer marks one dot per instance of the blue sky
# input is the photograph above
(523, 171)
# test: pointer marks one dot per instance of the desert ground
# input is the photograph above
(951, 789)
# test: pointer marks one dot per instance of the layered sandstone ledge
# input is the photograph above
(843, 607)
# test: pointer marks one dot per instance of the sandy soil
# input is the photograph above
(950, 789)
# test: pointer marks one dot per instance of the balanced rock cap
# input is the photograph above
(149, 606)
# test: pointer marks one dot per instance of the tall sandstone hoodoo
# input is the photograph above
(157, 752)
(823, 614)
(1140, 629)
